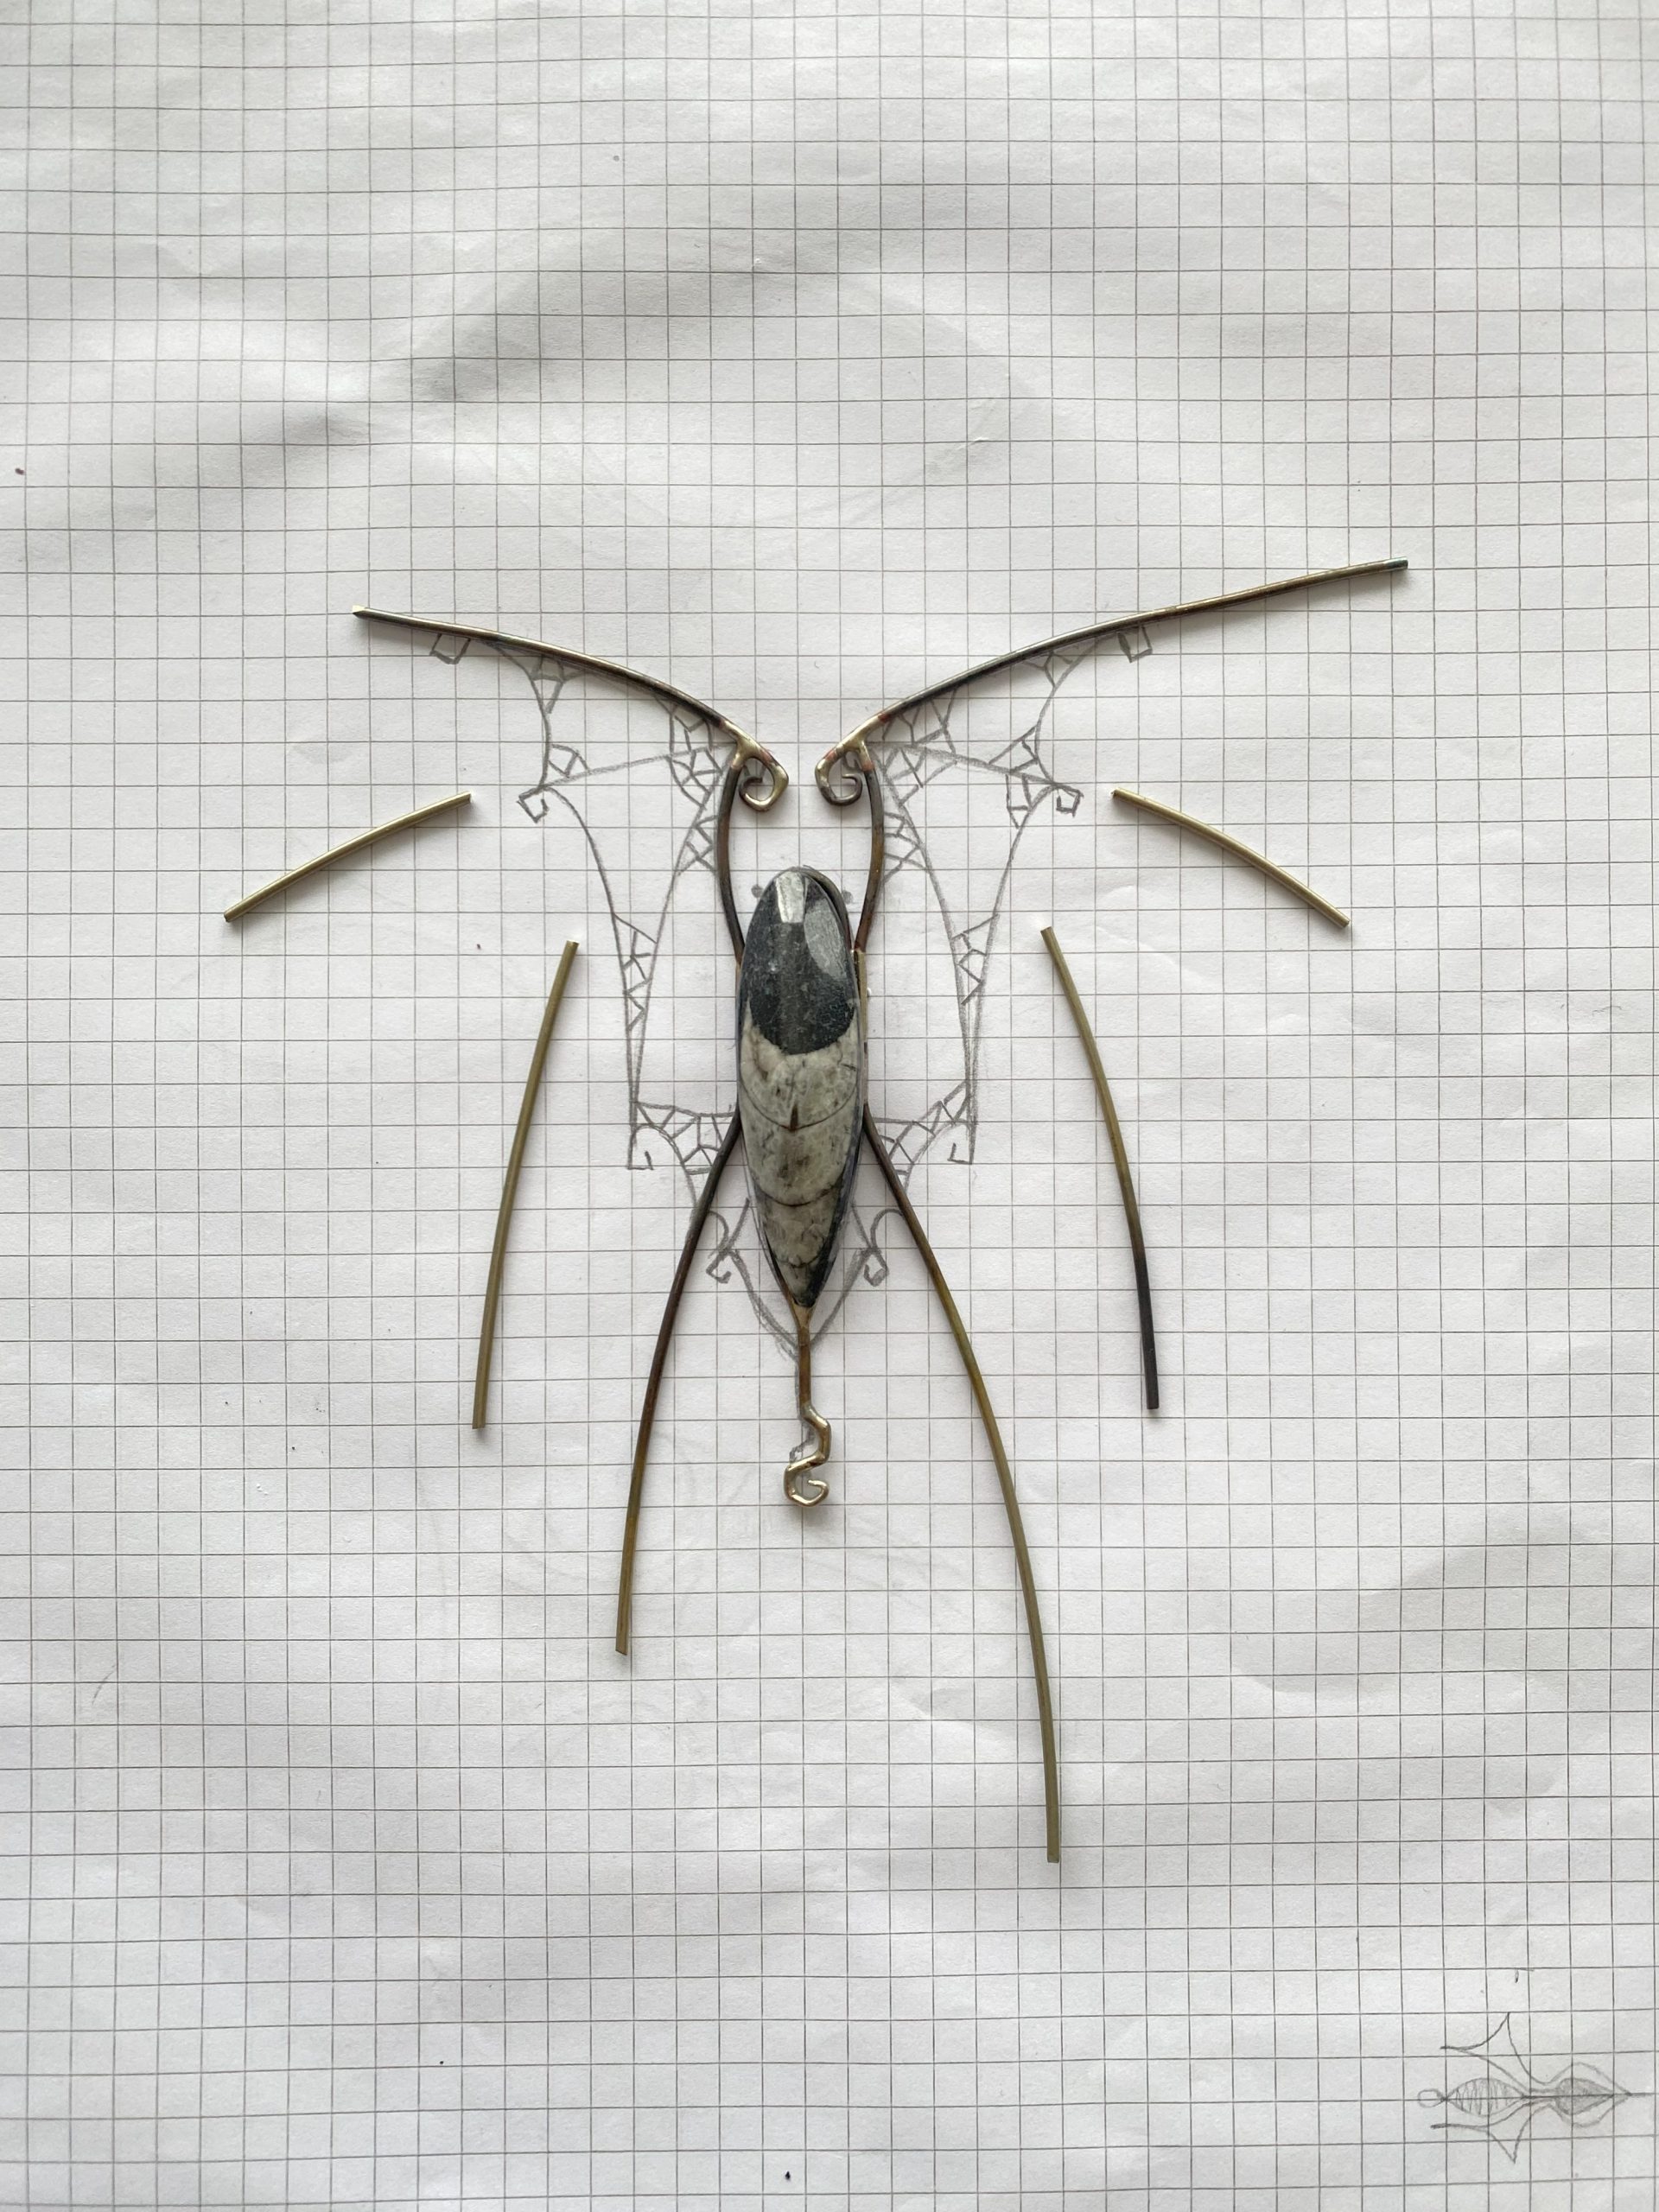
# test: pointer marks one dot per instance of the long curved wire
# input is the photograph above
(731, 784)
(857, 759)
(439, 625)
(749, 751)
(739, 771)
(1117, 624)
(1004, 1476)
(654, 1383)
(1120, 1161)
(858, 778)
(510, 1186)
(872, 784)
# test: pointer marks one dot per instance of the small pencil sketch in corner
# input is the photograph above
(1506, 2098)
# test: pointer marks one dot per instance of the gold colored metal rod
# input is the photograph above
(654, 1383)
(1120, 1161)
(438, 626)
(750, 752)
(510, 1185)
(340, 852)
(1226, 844)
(730, 783)
(1117, 622)
(1004, 1476)
(872, 784)
(1113, 627)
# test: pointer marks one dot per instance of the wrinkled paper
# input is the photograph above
(804, 358)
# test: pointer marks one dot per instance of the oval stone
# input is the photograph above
(800, 1075)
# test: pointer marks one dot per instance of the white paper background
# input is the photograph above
(802, 354)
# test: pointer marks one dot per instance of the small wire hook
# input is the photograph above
(814, 1454)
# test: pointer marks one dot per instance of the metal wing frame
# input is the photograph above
(886, 761)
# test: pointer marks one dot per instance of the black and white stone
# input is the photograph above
(800, 1075)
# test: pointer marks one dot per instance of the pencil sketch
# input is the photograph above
(804, 1039)
(925, 745)
(1506, 2099)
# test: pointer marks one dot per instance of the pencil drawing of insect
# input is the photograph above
(1506, 2101)
(800, 1009)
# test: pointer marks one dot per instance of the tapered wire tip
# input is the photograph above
(1119, 1161)
(509, 1184)
(363, 837)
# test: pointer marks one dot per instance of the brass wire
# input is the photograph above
(1114, 626)
(738, 770)
(748, 750)
(510, 1185)
(1005, 1478)
(1223, 843)
(659, 1361)
(1120, 1161)
(341, 851)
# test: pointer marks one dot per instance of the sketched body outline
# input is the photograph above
(1508, 2100)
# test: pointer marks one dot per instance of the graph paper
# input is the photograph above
(804, 354)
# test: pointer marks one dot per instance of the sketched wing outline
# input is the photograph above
(694, 769)
(916, 745)
(910, 743)
(690, 756)
(922, 745)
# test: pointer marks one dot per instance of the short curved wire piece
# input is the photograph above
(510, 1186)
(363, 837)
(1120, 1161)
(1231, 846)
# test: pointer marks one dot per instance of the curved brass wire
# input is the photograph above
(510, 1186)
(872, 784)
(748, 749)
(654, 1382)
(815, 1453)
(845, 774)
(1120, 1161)
(1116, 625)
(341, 851)
(1004, 1476)
(1226, 844)
(731, 782)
